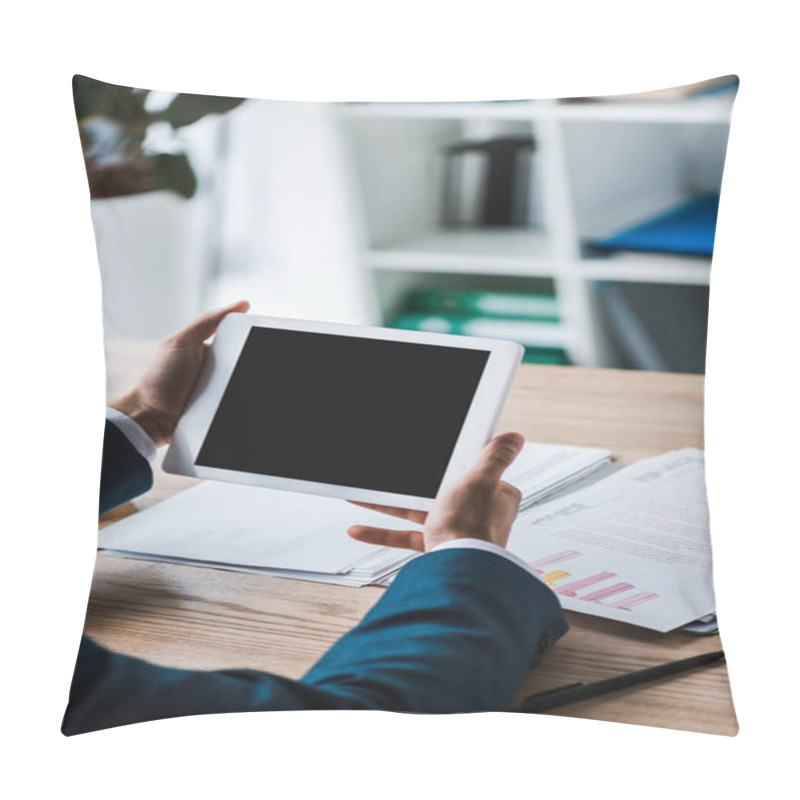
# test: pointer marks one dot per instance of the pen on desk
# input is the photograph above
(544, 701)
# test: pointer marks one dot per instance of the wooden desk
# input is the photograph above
(203, 618)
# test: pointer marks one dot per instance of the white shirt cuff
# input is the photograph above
(133, 432)
(489, 547)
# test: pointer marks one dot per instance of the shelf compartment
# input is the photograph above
(647, 268)
(511, 109)
(654, 326)
(491, 252)
(701, 110)
(698, 111)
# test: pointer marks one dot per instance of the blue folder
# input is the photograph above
(687, 230)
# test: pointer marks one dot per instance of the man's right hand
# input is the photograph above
(478, 506)
(160, 397)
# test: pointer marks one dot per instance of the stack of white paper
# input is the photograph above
(634, 546)
(250, 529)
(542, 470)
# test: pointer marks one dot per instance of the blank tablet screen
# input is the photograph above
(343, 410)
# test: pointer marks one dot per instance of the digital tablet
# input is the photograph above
(376, 415)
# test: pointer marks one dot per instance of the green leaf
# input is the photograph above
(176, 174)
(187, 109)
(122, 103)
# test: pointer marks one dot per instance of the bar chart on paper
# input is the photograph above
(601, 587)
(632, 547)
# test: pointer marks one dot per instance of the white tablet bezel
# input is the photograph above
(487, 402)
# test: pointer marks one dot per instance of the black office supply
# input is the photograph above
(488, 182)
(574, 693)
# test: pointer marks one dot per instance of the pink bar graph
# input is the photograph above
(571, 589)
(637, 599)
(554, 559)
(596, 597)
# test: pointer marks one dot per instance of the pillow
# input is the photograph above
(582, 229)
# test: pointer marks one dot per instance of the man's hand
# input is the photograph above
(479, 506)
(160, 398)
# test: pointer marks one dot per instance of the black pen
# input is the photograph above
(575, 692)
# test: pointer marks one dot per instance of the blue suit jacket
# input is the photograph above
(457, 631)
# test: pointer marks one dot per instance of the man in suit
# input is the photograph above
(457, 631)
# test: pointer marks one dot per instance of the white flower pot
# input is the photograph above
(153, 254)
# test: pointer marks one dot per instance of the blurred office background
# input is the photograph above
(582, 229)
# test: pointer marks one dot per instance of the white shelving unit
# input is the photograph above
(598, 166)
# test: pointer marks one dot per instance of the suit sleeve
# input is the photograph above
(124, 473)
(457, 631)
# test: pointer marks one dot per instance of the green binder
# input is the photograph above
(488, 304)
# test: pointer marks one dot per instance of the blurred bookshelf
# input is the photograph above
(594, 168)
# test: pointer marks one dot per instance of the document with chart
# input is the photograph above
(633, 547)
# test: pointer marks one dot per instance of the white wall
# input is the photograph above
(288, 242)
